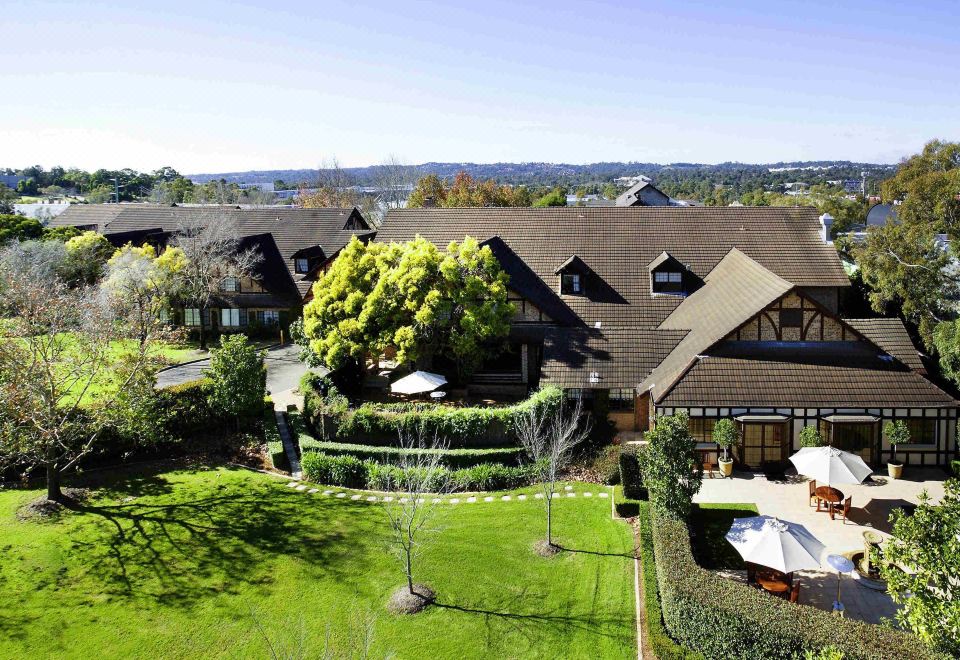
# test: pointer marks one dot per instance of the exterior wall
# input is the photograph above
(828, 297)
(527, 312)
(815, 326)
(938, 454)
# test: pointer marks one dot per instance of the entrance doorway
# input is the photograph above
(854, 437)
(762, 442)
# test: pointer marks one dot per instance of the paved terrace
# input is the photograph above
(871, 506)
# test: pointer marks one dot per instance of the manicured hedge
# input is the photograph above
(351, 472)
(630, 475)
(724, 619)
(955, 465)
(660, 641)
(379, 424)
(452, 458)
(271, 434)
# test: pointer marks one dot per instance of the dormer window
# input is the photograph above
(302, 265)
(570, 284)
(667, 275)
(231, 284)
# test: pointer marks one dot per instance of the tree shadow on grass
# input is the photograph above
(525, 614)
(187, 547)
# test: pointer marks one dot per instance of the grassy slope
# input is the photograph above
(177, 571)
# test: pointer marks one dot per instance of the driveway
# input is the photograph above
(284, 370)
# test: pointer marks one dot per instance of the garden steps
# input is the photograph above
(289, 448)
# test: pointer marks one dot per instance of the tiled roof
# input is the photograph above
(736, 290)
(292, 229)
(619, 243)
(621, 358)
(852, 376)
(891, 336)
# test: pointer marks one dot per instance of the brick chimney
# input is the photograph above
(826, 223)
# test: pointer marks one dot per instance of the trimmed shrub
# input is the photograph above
(724, 619)
(379, 424)
(955, 466)
(451, 458)
(350, 472)
(271, 434)
(344, 471)
(607, 464)
(664, 648)
(188, 407)
(630, 476)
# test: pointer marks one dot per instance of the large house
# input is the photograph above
(721, 312)
(295, 246)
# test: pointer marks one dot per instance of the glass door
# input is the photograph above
(762, 442)
(854, 437)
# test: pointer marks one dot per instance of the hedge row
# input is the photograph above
(451, 458)
(723, 619)
(660, 641)
(271, 434)
(351, 472)
(380, 424)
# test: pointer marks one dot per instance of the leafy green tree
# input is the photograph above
(610, 191)
(414, 297)
(87, 256)
(239, 379)
(19, 228)
(726, 435)
(810, 437)
(921, 564)
(671, 467)
(61, 234)
(928, 184)
(946, 339)
(7, 197)
(140, 285)
(904, 265)
(556, 197)
(27, 186)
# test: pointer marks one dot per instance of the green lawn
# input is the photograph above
(710, 524)
(180, 569)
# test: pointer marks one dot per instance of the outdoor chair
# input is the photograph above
(708, 468)
(751, 573)
(813, 494)
(845, 508)
(795, 592)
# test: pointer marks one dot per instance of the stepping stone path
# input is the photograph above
(437, 500)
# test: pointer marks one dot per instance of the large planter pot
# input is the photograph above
(895, 470)
(726, 467)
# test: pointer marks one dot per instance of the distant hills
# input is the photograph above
(551, 174)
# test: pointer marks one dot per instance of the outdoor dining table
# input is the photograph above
(774, 585)
(829, 495)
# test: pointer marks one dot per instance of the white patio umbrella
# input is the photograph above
(418, 381)
(767, 541)
(830, 465)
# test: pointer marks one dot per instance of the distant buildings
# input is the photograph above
(643, 193)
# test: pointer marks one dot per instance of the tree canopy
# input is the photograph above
(413, 297)
(19, 228)
(465, 191)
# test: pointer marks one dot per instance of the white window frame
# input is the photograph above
(576, 284)
(230, 317)
(302, 265)
(270, 317)
(230, 284)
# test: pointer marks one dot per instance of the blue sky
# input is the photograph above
(211, 86)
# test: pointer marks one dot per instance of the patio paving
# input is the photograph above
(870, 509)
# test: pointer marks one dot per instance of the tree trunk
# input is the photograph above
(53, 483)
(409, 574)
(549, 505)
(203, 333)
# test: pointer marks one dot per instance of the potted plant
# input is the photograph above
(898, 433)
(726, 435)
(810, 437)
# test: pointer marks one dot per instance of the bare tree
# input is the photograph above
(394, 180)
(418, 484)
(56, 349)
(211, 245)
(549, 437)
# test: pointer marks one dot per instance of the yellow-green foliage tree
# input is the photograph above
(465, 191)
(415, 297)
(87, 256)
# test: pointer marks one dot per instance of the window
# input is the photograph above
(791, 318)
(621, 400)
(230, 284)
(575, 393)
(230, 318)
(164, 315)
(701, 428)
(191, 316)
(268, 317)
(922, 431)
(302, 265)
(672, 277)
(570, 283)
